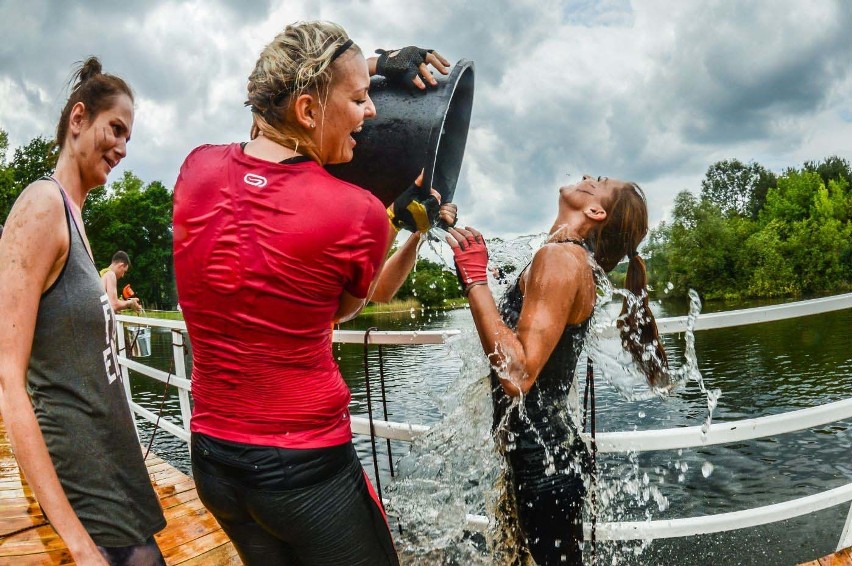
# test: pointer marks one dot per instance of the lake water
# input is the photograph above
(761, 370)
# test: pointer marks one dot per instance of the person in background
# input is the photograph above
(533, 341)
(61, 394)
(270, 251)
(109, 278)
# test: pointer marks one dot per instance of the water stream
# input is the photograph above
(760, 370)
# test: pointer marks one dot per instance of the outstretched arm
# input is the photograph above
(33, 250)
(400, 264)
(558, 290)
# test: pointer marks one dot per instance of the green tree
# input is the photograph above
(771, 272)
(7, 179)
(832, 168)
(704, 249)
(430, 283)
(136, 218)
(737, 188)
(29, 163)
(792, 199)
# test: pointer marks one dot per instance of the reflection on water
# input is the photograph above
(761, 369)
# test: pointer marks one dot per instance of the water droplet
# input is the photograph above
(706, 469)
(641, 414)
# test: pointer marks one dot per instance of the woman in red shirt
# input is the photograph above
(270, 251)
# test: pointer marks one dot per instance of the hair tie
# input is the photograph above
(342, 49)
(632, 254)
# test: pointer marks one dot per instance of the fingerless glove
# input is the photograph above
(401, 65)
(415, 210)
(471, 258)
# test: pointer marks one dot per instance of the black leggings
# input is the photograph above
(292, 507)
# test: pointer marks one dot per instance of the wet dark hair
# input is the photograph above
(95, 89)
(619, 235)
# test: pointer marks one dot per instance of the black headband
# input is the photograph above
(342, 49)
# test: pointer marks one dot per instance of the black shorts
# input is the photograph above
(145, 554)
(311, 507)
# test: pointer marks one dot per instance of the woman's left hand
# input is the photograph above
(410, 65)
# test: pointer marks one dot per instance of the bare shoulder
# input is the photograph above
(40, 201)
(562, 273)
(561, 261)
(37, 222)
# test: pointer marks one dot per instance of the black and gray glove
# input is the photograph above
(401, 65)
(416, 209)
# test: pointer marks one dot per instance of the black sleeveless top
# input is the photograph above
(545, 432)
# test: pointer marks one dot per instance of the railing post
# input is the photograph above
(125, 374)
(178, 351)
(846, 535)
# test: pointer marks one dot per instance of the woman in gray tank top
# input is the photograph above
(61, 393)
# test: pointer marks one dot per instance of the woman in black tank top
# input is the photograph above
(533, 341)
(62, 397)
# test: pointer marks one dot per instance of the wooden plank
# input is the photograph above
(840, 558)
(192, 536)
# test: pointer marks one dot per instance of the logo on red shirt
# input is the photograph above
(254, 180)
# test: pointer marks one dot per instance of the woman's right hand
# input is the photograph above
(416, 209)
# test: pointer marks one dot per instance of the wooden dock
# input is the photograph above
(192, 536)
(839, 558)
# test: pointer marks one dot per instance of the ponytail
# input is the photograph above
(639, 334)
(620, 234)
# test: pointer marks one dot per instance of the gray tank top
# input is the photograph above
(78, 396)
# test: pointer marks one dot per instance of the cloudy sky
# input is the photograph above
(651, 91)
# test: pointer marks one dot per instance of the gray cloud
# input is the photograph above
(649, 91)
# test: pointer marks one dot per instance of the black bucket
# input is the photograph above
(413, 130)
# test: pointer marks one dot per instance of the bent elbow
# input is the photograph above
(516, 387)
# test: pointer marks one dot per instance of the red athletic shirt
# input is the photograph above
(263, 252)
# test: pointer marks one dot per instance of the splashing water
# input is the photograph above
(455, 469)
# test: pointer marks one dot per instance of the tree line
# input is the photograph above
(750, 233)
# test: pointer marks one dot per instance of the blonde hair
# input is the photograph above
(299, 60)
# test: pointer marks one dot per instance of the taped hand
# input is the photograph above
(471, 257)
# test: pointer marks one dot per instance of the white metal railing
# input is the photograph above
(626, 441)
